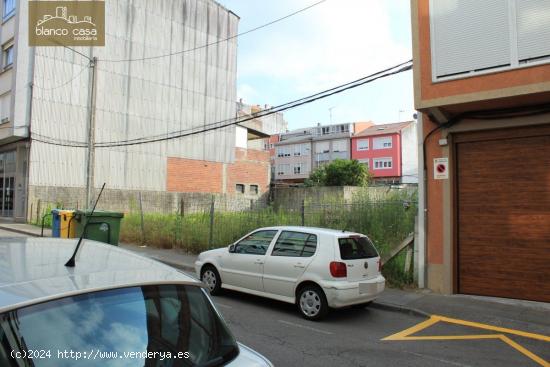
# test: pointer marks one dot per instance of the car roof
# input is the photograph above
(314, 230)
(32, 270)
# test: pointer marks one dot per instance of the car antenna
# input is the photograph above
(70, 263)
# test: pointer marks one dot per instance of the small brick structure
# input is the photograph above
(250, 168)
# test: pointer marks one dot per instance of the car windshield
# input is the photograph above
(352, 248)
(164, 325)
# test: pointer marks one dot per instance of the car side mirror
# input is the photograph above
(231, 248)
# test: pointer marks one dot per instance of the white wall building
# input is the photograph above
(44, 95)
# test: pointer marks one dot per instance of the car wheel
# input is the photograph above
(312, 303)
(211, 278)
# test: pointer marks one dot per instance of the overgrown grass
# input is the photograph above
(386, 222)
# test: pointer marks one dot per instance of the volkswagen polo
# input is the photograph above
(315, 268)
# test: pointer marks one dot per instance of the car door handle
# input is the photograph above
(259, 262)
(299, 265)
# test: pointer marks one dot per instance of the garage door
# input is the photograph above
(503, 213)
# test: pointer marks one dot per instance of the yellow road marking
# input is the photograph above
(407, 335)
(495, 328)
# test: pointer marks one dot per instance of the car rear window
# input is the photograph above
(138, 326)
(352, 248)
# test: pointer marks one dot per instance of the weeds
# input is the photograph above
(386, 222)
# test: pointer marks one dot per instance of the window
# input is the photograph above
(343, 128)
(283, 169)
(384, 142)
(382, 163)
(322, 147)
(366, 162)
(152, 318)
(255, 243)
(514, 34)
(9, 8)
(8, 56)
(353, 248)
(363, 144)
(325, 130)
(5, 107)
(340, 146)
(239, 188)
(254, 189)
(299, 168)
(283, 151)
(301, 149)
(295, 244)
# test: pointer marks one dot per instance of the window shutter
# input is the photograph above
(533, 27)
(469, 35)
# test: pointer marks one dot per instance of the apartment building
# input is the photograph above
(389, 151)
(482, 85)
(45, 104)
(300, 151)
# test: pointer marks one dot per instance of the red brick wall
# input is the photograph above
(189, 175)
(251, 167)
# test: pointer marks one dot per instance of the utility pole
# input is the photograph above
(91, 133)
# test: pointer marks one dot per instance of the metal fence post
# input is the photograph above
(211, 236)
(142, 222)
(303, 209)
(38, 212)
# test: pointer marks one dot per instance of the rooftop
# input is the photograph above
(384, 129)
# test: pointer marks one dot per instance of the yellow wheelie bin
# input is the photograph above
(67, 224)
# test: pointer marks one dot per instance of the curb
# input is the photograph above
(399, 308)
(20, 231)
(184, 267)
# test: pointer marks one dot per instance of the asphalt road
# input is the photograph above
(352, 337)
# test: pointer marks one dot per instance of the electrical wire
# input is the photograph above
(402, 67)
(65, 83)
(270, 112)
(279, 108)
(219, 41)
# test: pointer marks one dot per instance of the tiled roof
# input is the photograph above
(383, 129)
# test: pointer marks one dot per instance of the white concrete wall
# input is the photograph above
(409, 154)
(151, 97)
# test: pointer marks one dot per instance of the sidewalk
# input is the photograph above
(22, 228)
(508, 313)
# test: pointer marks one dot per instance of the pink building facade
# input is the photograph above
(388, 151)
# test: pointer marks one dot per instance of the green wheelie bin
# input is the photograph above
(103, 226)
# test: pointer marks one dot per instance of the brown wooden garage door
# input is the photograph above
(503, 213)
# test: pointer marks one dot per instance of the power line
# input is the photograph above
(219, 41)
(224, 123)
(65, 83)
(269, 111)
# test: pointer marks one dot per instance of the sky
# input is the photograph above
(330, 44)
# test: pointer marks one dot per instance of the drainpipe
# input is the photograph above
(422, 187)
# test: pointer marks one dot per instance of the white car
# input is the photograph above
(114, 308)
(314, 268)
